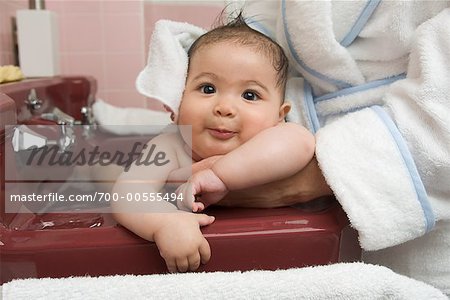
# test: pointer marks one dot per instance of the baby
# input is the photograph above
(234, 101)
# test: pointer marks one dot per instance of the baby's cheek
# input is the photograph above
(257, 127)
(250, 134)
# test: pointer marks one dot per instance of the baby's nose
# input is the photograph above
(225, 108)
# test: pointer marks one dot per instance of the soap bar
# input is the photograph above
(10, 73)
(37, 34)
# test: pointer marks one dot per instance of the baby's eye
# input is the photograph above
(208, 89)
(249, 95)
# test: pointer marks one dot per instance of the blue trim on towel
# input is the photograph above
(409, 162)
(340, 84)
(365, 15)
(360, 88)
(307, 90)
(257, 26)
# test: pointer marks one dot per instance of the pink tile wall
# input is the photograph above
(108, 39)
(105, 39)
(7, 12)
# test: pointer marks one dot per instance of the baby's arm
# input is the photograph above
(177, 234)
(275, 153)
(142, 181)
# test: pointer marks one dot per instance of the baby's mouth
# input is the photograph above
(221, 134)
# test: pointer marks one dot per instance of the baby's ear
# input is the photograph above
(284, 109)
(173, 116)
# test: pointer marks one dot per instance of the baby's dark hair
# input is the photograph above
(239, 32)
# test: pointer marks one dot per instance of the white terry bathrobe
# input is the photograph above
(372, 80)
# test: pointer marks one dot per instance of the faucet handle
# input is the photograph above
(24, 138)
(33, 102)
(87, 117)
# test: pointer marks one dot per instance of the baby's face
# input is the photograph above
(231, 94)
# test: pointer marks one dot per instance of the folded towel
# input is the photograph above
(339, 281)
(128, 121)
(164, 76)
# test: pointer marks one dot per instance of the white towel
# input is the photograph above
(164, 76)
(128, 121)
(339, 281)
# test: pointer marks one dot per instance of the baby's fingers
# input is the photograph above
(205, 251)
(204, 220)
(182, 264)
(194, 261)
(197, 206)
(171, 265)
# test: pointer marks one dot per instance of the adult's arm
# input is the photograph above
(305, 185)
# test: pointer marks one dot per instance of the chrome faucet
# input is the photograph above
(58, 116)
(34, 104)
(67, 138)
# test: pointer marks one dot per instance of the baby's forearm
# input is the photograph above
(144, 225)
(137, 208)
(273, 154)
(140, 217)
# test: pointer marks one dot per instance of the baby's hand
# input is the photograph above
(203, 185)
(181, 243)
(183, 174)
(186, 198)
